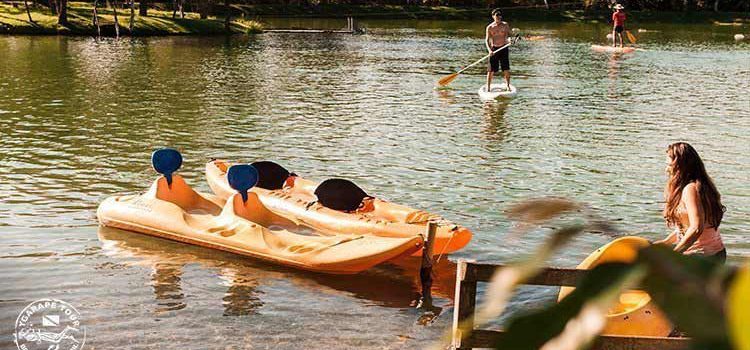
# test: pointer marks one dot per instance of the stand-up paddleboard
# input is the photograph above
(496, 91)
(603, 48)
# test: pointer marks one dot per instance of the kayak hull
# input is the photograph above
(202, 221)
(297, 203)
(612, 49)
(634, 314)
(497, 91)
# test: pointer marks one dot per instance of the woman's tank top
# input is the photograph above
(708, 243)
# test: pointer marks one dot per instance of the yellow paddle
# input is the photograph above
(449, 78)
(630, 36)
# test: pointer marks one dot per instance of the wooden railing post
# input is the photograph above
(465, 302)
(425, 271)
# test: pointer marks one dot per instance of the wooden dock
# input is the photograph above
(469, 274)
(351, 28)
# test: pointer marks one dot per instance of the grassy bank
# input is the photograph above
(14, 20)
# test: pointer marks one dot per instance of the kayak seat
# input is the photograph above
(253, 210)
(182, 195)
(271, 176)
(222, 165)
(340, 194)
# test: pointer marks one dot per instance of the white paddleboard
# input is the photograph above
(602, 48)
(496, 91)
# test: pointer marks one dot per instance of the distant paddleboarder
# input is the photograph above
(496, 36)
(618, 17)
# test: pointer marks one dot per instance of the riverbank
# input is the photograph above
(14, 20)
(558, 13)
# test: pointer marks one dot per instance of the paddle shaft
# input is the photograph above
(483, 58)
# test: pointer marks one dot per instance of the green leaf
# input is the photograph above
(601, 286)
(690, 290)
(738, 309)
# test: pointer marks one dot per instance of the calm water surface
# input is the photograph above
(79, 118)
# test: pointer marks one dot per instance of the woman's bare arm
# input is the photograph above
(691, 198)
(671, 238)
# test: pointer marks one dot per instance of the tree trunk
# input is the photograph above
(53, 6)
(28, 12)
(62, 7)
(143, 8)
(205, 6)
(62, 12)
(174, 8)
(227, 16)
(132, 16)
(117, 24)
(546, 4)
(182, 8)
(96, 20)
(716, 6)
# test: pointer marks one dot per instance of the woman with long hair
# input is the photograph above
(693, 205)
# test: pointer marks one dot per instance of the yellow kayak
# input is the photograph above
(296, 200)
(634, 313)
(243, 225)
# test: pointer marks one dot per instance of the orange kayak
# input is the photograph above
(634, 313)
(298, 203)
(177, 212)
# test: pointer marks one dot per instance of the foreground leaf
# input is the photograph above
(738, 309)
(576, 320)
(690, 290)
(535, 211)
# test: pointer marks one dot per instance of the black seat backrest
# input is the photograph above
(340, 194)
(271, 175)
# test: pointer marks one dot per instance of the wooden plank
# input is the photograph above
(465, 300)
(480, 338)
(550, 276)
(321, 31)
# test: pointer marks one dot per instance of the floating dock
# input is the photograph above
(351, 28)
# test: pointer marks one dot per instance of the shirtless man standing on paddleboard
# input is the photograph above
(496, 36)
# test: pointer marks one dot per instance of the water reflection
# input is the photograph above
(446, 96)
(242, 296)
(496, 128)
(165, 279)
(613, 71)
(395, 286)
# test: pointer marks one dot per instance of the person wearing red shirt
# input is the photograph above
(619, 24)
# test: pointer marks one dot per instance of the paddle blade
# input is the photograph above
(630, 36)
(447, 79)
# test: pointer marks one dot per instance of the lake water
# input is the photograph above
(79, 118)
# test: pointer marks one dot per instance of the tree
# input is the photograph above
(117, 23)
(143, 8)
(228, 17)
(28, 12)
(96, 19)
(62, 12)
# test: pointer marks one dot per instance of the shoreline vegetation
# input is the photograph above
(80, 21)
(172, 19)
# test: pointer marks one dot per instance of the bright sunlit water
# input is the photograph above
(80, 117)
